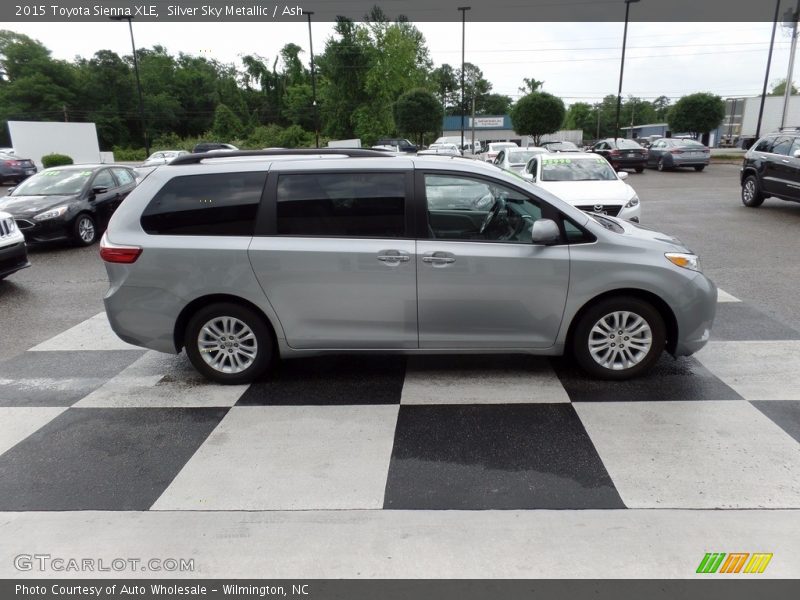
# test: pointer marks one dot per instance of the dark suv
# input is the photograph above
(402, 144)
(772, 168)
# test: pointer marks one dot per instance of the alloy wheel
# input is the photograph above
(227, 344)
(620, 340)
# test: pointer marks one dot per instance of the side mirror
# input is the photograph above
(622, 175)
(99, 189)
(545, 232)
(9, 190)
(795, 154)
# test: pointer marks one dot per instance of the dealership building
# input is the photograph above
(498, 128)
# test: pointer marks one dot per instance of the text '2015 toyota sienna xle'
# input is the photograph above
(244, 257)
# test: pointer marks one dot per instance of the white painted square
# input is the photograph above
(757, 370)
(158, 380)
(723, 296)
(718, 454)
(481, 380)
(92, 334)
(289, 458)
(18, 422)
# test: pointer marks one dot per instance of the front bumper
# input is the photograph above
(44, 231)
(696, 315)
(13, 258)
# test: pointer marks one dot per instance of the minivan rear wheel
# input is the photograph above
(619, 338)
(228, 343)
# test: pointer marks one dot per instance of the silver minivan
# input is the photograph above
(243, 257)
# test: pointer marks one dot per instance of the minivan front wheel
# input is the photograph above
(619, 338)
(228, 343)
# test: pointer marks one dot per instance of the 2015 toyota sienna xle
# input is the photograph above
(244, 257)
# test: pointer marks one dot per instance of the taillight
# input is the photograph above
(615, 153)
(114, 253)
(676, 151)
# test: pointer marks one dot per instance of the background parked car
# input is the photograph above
(560, 146)
(13, 168)
(494, 148)
(72, 202)
(669, 153)
(13, 254)
(587, 182)
(515, 159)
(772, 168)
(441, 149)
(162, 157)
(209, 146)
(622, 153)
(403, 144)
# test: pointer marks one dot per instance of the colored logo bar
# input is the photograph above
(735, 562)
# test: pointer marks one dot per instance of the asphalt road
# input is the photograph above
(753, 254)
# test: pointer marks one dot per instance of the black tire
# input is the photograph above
(752, 196)
(660, 165)
(263, 350)
(639, 169)
(699, 168)
(84, 230)
(602, 309)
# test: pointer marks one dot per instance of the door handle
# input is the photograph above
(785, 160)
(393, 256)
(438, 260)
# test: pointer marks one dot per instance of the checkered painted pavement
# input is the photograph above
(88, 422)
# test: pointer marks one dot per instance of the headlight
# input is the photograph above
(634, 201)
(53, 213)
(687, 261)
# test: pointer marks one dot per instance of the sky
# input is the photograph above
(576, 61)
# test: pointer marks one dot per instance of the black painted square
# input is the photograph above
(784, 413)
(670, 379)
(740, 321)
(330, 380)
(59, 378)
(103, 458)
(509, 456)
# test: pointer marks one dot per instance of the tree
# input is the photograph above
(697, 113)
(227, 125)
(475, 86)
(493, 104)
(581, 115)
(446, 85)
(661, 105)
(530, 85)
(417, 112)
(779, 88)
(538, 114)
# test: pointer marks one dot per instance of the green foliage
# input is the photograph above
(538, 114)
(779, 88)
(530, 85)
(56, 160)
(697, 113)
(129, 154)
(417, 112)
(227, 125)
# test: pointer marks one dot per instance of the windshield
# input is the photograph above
(521, 157)
(560, 145)
(54, 182)
(501, 146)
(577, 169)
(627, 145)
(691, 144)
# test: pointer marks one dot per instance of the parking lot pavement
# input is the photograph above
(88, 423)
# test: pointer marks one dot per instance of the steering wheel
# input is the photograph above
(498, 206)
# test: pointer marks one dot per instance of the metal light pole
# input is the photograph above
(766, 74)
(790, 72)
(464, 10)
(138, 81)
(622, 65)
(313, 81)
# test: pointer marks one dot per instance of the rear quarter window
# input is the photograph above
(214, 204)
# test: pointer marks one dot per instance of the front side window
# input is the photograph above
(342, 205)
(214, 204)
(462, 208)
(123, 176)
(104, 179)
(764, 145)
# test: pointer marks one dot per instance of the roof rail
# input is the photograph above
(193, 159)
(790, 128)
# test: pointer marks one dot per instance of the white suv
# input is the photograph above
(13, 253)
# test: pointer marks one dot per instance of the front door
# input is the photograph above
(481, 282)
(339, 268)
